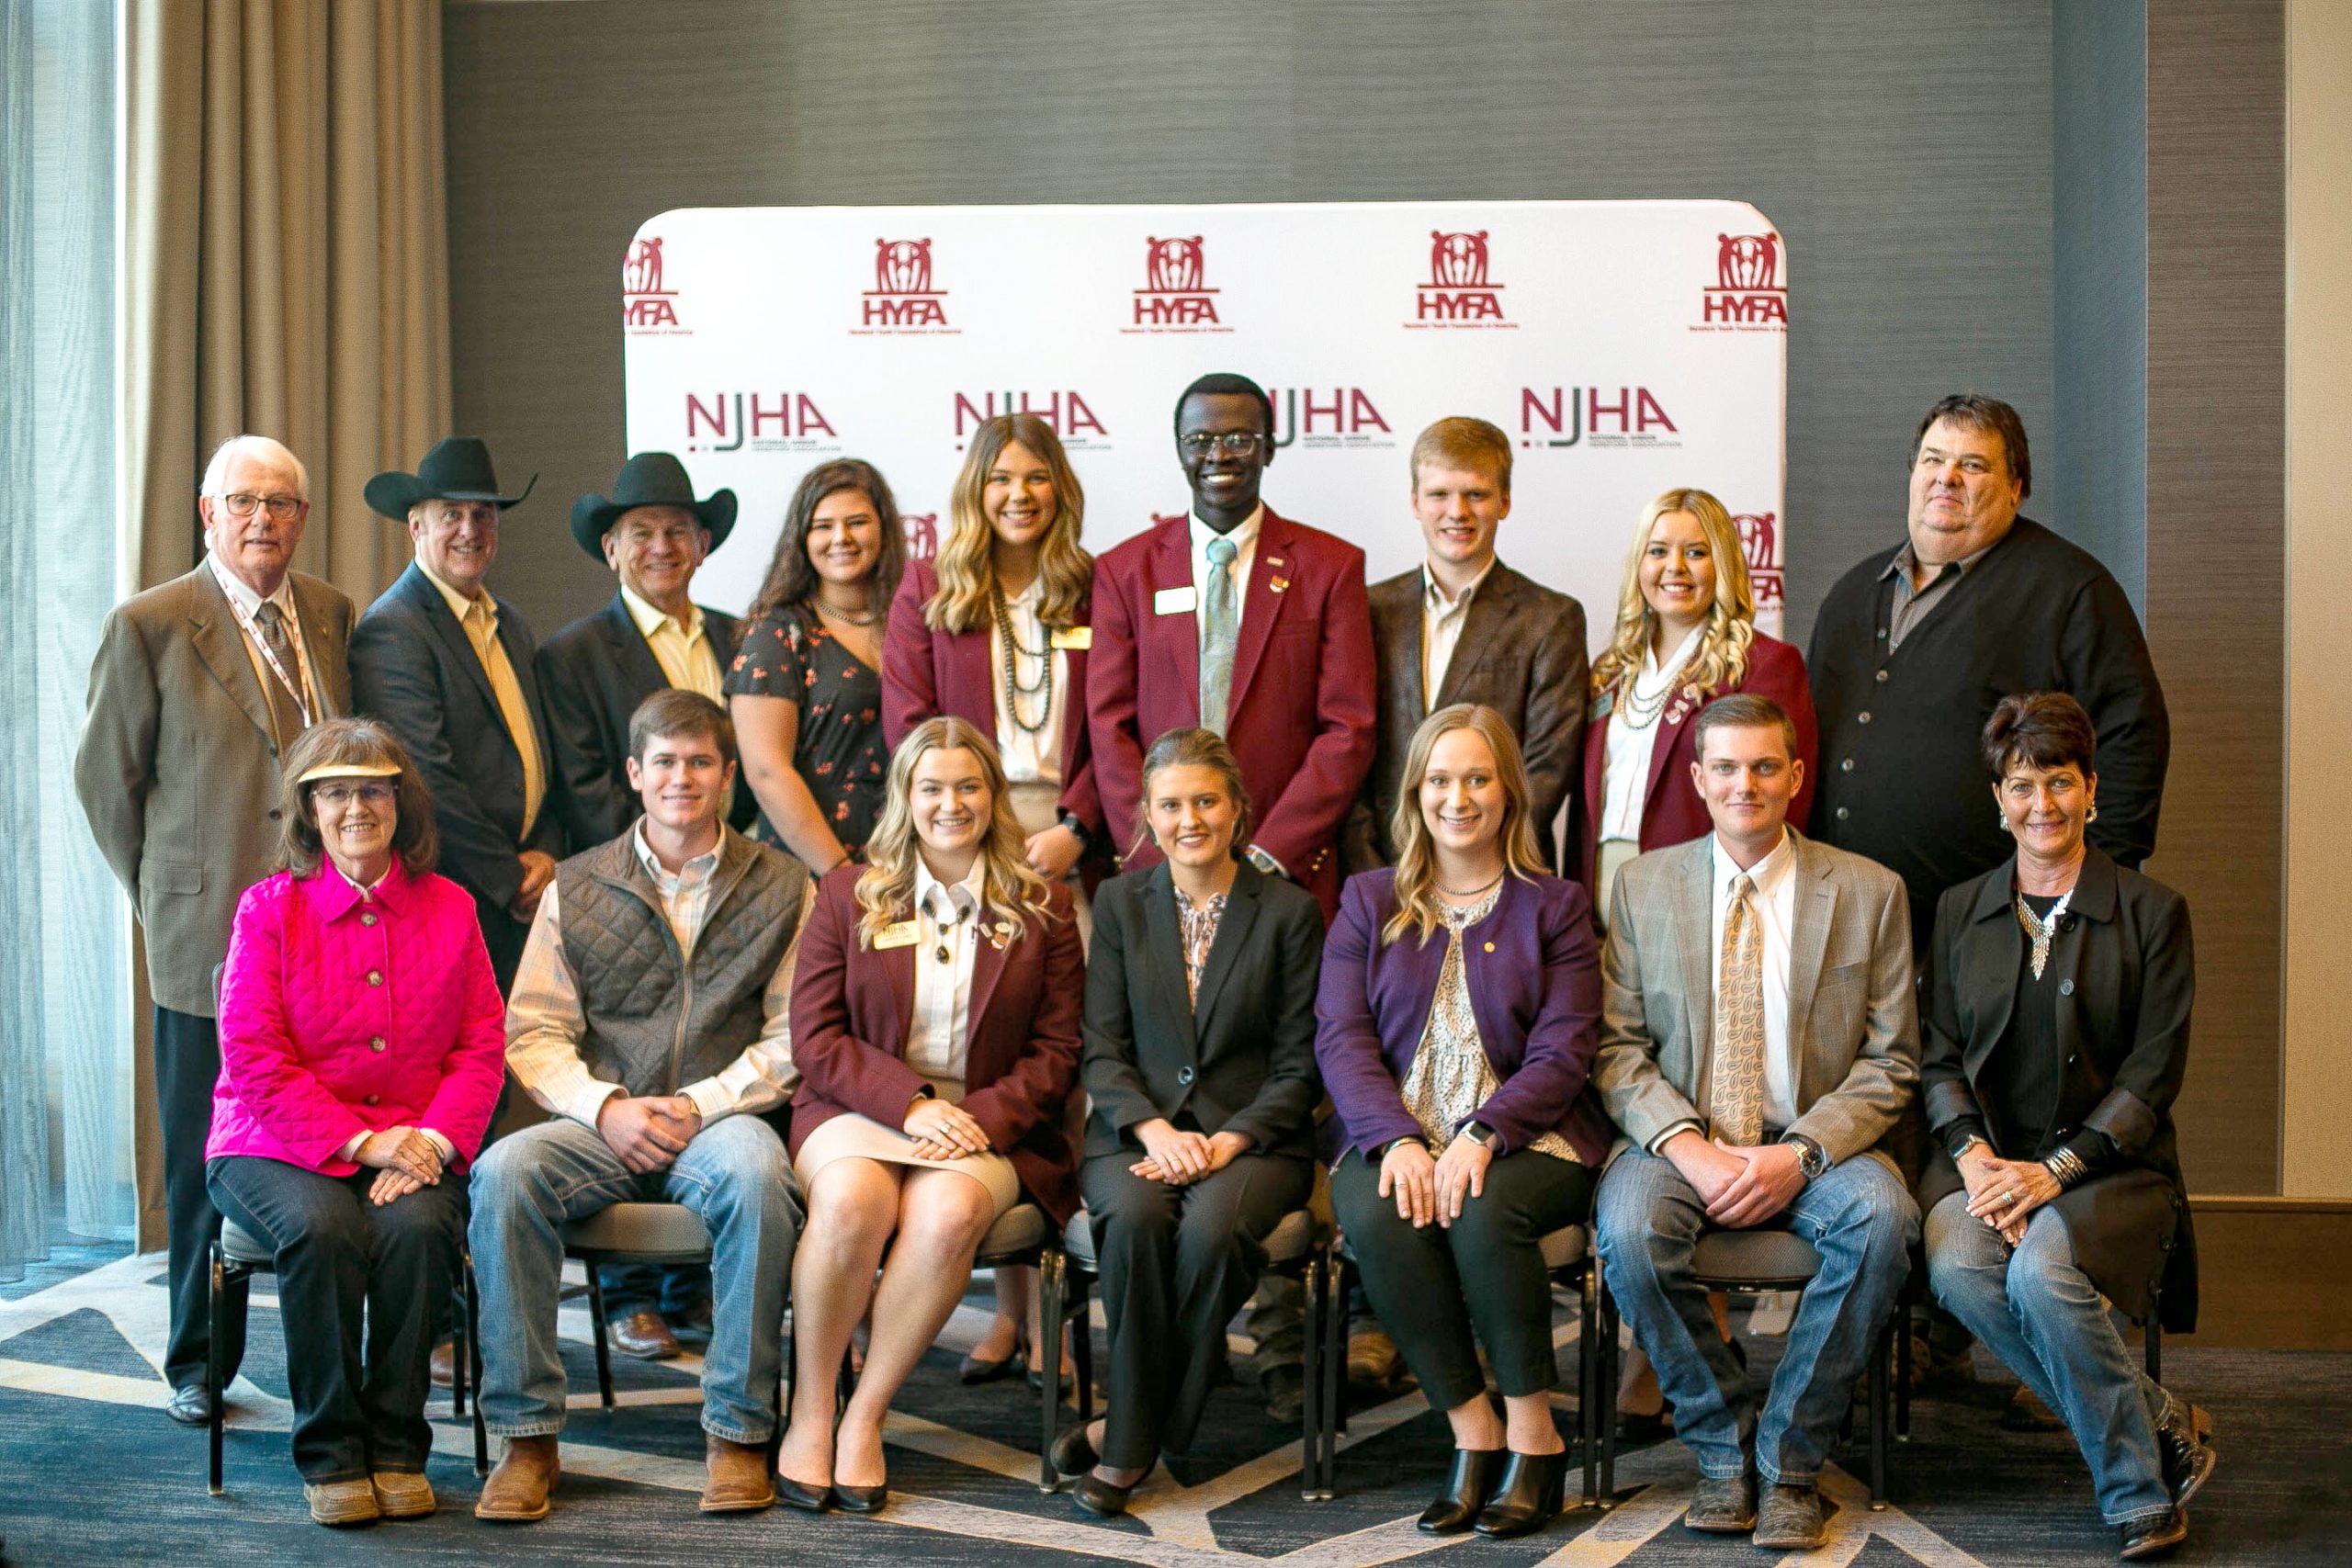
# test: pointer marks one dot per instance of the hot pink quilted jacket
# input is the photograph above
(341, 1013)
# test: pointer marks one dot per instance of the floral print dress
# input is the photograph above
(839, 754)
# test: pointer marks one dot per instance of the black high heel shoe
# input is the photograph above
(1072, 1454)
(1466, 1490)
(1527, 1498)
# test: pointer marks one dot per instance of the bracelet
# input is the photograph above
(2067, 1167)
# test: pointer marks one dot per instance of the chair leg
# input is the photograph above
(1589, 1381)
(460, 1337)
(1313, 1282)
(1881, 1352)
(2153, 1332)
(1049, 1356)
(596, 1324)
(214, 1398)
(1605, 1408)
(473, 1358)
(1079, 1314)
(1335, 1367)
(1902, 1374)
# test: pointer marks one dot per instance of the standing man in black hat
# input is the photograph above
(450, 667)
(653, 534)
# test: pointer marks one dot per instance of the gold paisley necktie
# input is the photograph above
(1736, 1095)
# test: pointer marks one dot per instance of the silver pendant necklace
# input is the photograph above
(2039, 929)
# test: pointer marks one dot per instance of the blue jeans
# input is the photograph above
(1859, 1219)
(733, 1174)
(2040, 1313)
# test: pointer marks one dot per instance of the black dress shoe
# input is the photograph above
(2153, 1538)
(1102, 1497)
(1037, 1378)
(1527, 1498)
(188, 1406)
(801, 1496)
(974, 1369)
(861, 1499)
(1072, 1454)
(1466, 1491)
(2188, 1459)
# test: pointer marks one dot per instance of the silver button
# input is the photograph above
(1847, 766)
(368, 920)
(1882, 676)
(1881, 631)
(2066, 987)
(1861, 719)
(1842, 814)
(1184, 1075)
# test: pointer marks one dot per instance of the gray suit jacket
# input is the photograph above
(1853, 1013)
(1521, 652)
(177, 768)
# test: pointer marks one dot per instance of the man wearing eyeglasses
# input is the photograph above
(197, 686)
(1238, 620)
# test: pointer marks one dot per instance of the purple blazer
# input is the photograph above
(1534, 980)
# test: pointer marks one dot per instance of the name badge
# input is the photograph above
(899, 933)
(1076, 638)
(1182, 601)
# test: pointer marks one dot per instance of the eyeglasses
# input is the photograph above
(345, 794)
(282, 507)
(1234, 444)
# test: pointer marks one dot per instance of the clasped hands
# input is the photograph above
(2004, 1193)
(941, 1130)
(403, 1159)
(648, 1132)
(1428, 1188)
(1741, 1185)
(1180, 1158)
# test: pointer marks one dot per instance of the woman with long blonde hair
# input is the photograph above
(1459, 1012)
(936, 1024)
(1685, 635)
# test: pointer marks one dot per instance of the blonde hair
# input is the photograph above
(885, 889)
(1721, 659)
(1462, 442)
(1417, 904)
(967, 563)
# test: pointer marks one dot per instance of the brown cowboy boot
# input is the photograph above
(517, 1490)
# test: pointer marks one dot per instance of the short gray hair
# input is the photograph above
(216, 471)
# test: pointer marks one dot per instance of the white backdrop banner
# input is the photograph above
(1626, 347)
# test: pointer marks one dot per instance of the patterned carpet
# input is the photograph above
(90, 1472)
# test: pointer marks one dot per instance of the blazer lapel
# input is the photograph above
(1164, 957)
(213, 629)
(1811, 911)
(990, 954)
(898, 964)
(724, 632)
(1694, 940)
(1177, 636)
(1678, 710)
(1482, 626)
(634, 654)
(1261, 602)
(1409, 702)
(1232, 936)
(1992, 947)
(445, 624)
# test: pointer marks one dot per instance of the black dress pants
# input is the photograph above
(188, 1063)
(341, 1259)
(1177, 1263)
(1433, 1286)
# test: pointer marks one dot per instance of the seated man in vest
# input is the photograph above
(1758, 1041)
(650, 1016)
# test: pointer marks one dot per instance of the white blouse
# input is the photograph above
(1625, 765)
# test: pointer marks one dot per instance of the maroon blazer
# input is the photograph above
(1303, 705)
(852, 1007)
(1672, 811)
(926, 672)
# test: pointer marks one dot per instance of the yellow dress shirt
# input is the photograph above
(683, 651)
(480, 618)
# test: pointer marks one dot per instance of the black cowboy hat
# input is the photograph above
(458, 469)
(649, 478)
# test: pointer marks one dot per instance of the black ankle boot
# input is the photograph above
(1528, 1497)
(1466, 1493)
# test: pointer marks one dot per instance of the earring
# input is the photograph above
(2001, 819)
(2092, 815)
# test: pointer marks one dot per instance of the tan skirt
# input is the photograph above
(852, 1136)
(1038, 807)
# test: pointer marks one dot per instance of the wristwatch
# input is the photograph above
(1811, 1158)
(1480, 1133)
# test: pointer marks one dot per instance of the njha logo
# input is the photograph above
(1065, 412)
(1760, 544)
(728, 421)
(1562, 416)
(1458, 290)
(1748, 289)
(902, 296)
(644, 303)
(1349, 411)
(1174, 294)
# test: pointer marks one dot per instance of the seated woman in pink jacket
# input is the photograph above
(362, 1047)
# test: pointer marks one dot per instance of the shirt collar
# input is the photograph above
(1682, 652)
(702, 865)
(333, 894)
(1244, 534)
(241, 592)
(651, 617)
(1434, 596)
(925, 883)
(459, 605)
(1768, 872)
(1907, 560)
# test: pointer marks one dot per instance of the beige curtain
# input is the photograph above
(284, 271)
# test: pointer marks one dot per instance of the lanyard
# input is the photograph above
(245, 622)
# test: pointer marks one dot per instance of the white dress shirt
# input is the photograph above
(1442, 622)
(1775, 903)
(241, 594)
(1028, 758)
(939, 1034)
(1625, 765)
(1245, 545)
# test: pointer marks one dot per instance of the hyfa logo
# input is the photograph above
(1350, 412)
(728, 422)
(644, 303)
(1759, 544)
(1065, 413)
(1569, 414)
(902, 295)
(922, 533)
(1748, 289)
(1458, 290)
(1173, 295)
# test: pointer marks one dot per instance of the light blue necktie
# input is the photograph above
(1220, 632)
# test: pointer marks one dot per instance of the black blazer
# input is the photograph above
(1244, 1062)
(413, 667)
(593, 674)
(2127, 979)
